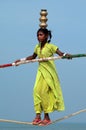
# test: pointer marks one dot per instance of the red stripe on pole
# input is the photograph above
(5, 65)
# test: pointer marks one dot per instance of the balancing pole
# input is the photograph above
(42, 59)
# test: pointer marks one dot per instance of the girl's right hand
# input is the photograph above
(17, 62)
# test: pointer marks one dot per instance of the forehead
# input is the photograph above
(41, 32)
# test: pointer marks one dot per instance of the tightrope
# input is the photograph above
(68, 116)
(57, 120)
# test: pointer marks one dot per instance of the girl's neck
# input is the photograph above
(43, 44)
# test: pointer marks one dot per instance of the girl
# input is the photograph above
(47, 91)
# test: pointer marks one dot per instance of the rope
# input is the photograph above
(68, 116)
(14, 121)
(57, 120)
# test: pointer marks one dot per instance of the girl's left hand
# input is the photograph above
(68, 56)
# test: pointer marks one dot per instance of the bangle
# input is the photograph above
(64, 54)
(22, 59)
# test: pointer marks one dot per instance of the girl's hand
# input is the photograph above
(68, 56)
(17, 62)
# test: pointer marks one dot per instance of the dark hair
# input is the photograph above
(46, 32)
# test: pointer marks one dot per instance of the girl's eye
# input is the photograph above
(40, 35)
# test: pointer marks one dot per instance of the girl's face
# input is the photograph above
(41, 37)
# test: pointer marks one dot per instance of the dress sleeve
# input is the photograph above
(54, 48)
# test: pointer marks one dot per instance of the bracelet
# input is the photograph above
(22, 59)
(64, 54)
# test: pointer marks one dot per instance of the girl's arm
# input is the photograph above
(63, 54)
(59, 52)
(33, 56)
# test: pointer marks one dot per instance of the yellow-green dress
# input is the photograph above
(47, 92)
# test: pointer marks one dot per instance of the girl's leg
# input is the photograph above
(38, 115)
(46, 116)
